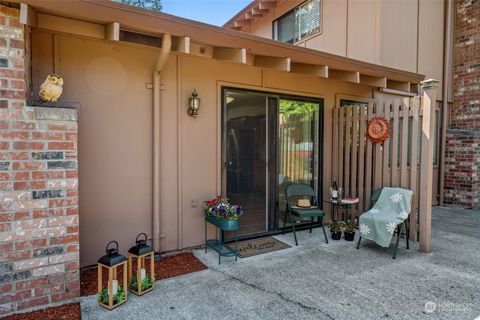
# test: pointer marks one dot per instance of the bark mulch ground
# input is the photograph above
(170, 266)
(167, 267)
(70, 311)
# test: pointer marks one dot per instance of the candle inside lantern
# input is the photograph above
(143, 274)
(114, 287)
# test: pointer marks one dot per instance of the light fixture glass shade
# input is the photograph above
(193, 104)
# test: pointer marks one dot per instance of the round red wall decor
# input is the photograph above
(378, 130)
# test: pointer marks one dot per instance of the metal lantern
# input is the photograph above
(193, 104)
(114, 295)
(142, 282)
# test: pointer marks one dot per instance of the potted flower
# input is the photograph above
(336, 230)
(221, 213)
(349, 230)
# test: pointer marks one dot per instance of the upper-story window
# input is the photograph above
(299, 23)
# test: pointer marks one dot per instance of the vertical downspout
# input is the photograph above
(162, 59)
(447, 61)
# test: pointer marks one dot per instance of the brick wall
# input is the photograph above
(39, 233)
(462, 161)
(462, 164)
(465, 113)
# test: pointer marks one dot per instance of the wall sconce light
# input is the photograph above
(193, 104)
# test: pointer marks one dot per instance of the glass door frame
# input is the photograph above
(273, 217)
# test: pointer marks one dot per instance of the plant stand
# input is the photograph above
(217, 244)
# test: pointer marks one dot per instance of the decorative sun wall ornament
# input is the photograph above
(378, 130)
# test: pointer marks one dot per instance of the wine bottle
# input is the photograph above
(334, 191)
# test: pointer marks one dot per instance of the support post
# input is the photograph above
(428, 135)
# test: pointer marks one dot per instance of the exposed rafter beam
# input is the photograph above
(310, 69)
(267, 4)
(112, 31)
(28, 15)
(238, 55)
(282, 64)
(380, 82)
(181, 44)
(398, 85)
(242, 23)
(258, 11)
(342, 75)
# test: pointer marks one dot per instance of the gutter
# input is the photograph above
(162, 59)
(447, 63)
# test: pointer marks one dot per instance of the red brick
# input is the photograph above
(14, 135)
(15, 74)
(71, 211)
(28, 166)
(14, 155)
(66, 295)
(24, 304)
(37, 184)
(14, 43)
(31, 284)
(30, 244)
(71, 136)
(12, 94)
(72, 193)
(50, 289)
(61, 146)
(5, 247)
(47, 136)
(52, 212)
(17, 255)
(5, 288)
(17, 84)
(4, 227)
(21, 185)
(71, 174)
(38, 175)
(64, 239)
(4, 176)
(62, 127)
(21, 215)
(15, 296)
(28, 145)
(22, 175)
(74, 229)
(62, 202)
(73, 247)
(23, 125)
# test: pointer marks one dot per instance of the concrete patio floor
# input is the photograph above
(320, 281)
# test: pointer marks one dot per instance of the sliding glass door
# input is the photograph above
(269, 141)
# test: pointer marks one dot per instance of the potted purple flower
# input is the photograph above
(221, 213)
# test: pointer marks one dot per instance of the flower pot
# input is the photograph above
(229, 225)
(336, 235)
(349, 236)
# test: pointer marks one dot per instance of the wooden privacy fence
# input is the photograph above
(404, 160)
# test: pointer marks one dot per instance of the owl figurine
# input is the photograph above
(51, 89)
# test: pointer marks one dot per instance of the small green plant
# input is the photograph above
(335, 226)
(147, 283)
(349, 227)
(118, 298)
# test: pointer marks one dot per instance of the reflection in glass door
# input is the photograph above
(298, 149)
(247, 122)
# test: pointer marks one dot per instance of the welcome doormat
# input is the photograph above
(253, 247)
